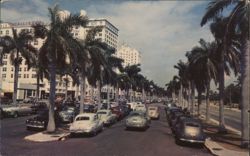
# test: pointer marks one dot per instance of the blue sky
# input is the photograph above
(163, 31)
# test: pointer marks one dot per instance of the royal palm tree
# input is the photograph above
(203, 58)
(18, 47)
(238, 21)
(132, 71)
(59, 48)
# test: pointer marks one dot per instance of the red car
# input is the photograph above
(118, 112)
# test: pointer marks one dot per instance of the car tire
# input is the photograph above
(15, 115)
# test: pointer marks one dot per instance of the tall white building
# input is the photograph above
(27, 78)
(130, 55)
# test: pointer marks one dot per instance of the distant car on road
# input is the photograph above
(153, 112)
(15, 111)
(140, 107)
(86, 123)
(190, 130)
(106, 117)
(38, 106)
(137, 119)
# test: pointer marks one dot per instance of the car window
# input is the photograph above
(82, 118)
(192, 124)
(101, 112)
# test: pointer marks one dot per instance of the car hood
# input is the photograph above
(9, 108)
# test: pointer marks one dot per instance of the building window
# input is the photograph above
(7, 32)
(25, 69)
(19, 75)
(3, 75)
(76, 34)
(11, 76)
(20, 69)
(5, 56)
(27, 76)
(4, 69)
(33, 75)
(24, 76)
(4, 62)
(12, 69)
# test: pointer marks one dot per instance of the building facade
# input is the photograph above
(27, 78)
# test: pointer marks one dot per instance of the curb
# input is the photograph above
(64, 137)
(227, 127)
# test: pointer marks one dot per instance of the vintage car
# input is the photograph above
(86, 123)
(140, 107)
(17, 110)
(118, 112)
(38, 106)
(153, 112)
(2, 113)
(173, 117)
(68, 114)
(171, 111)
(189, 130)
(40, 121)
(106, 117)
(137, 119)
(90, 108)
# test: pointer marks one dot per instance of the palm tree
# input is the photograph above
(18, 47)
(59, 49)
(203, 59)
(132, 71)
(239, 22)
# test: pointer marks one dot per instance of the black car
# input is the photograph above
(68, 114)
(189, 130)
(173, 117)
(172, 110)
(38, 106)
(89, 108)
(41, 120)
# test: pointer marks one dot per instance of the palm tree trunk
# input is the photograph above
(99, 94)
(143, 94)
(222, 128)
(77, 92)
(37, 86)
(189, 96)
(130, 93)
(108, 96)
(207, 102)
(245, 95)
(16, 64)
(51, 124)
(117, 93)
(199, 102)
(66, 87)
(192, 97)
(82, 92)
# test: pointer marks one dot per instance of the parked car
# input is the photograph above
(68, 114)
(173, 117)
(178, 121)
(153, 112)
(89, 108)
(15, 111)
(171, 110)
(190, 130)
(140, 107)
(118, 112)
(106, 117)
(86, 123)
(40, 121)
(38, 106)
(2, 113)
(137, 119)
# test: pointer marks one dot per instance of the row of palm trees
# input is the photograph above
(61, 54)
(211, 61)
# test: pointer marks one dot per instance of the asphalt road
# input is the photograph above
(113, 141)
(232, 117)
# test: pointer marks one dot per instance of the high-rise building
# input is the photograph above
(130, 55)
(27, 78)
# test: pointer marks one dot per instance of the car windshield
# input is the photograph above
(101, 112)
(192, 124)
(152, 108)
(81, 118)
(136, 114)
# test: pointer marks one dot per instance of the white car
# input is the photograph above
(153, 112)
(86, 123)
(18, 110)
(141, 107)
(106, 117)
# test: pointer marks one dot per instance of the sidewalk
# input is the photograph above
(60, 134)
(223, 144)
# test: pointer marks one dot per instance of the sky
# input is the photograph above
(163, 31)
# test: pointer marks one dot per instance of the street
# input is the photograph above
(114, 141)
(232, 117)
